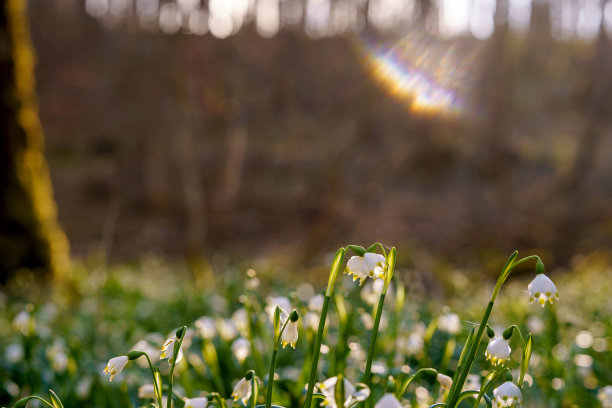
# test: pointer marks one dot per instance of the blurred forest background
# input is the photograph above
(455, 127)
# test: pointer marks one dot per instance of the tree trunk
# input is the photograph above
(29, 234)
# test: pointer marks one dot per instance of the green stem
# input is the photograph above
(177, 347)
(155, 385)
(372, 346)
(458, 385)
(315, 353)
(22, 402)
(273, 364)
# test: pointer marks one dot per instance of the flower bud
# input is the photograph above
(133, 355)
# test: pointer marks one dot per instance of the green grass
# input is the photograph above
(78, 325)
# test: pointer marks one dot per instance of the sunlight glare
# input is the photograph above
(430, 76)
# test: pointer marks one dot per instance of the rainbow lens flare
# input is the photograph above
(431, 76)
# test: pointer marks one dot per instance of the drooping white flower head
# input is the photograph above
(167, 350)
(508, 395)
(241, 348)
(498, 351)
(115, 366)
(388, 401)
(605, 396)
(206, 327)
(542, 289)
(369, 265)
(199, 402)
(445, 381)
(242, 390)
(146, 391)
(290, 335)
(351, 394)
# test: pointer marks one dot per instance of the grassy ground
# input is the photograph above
(62, 336)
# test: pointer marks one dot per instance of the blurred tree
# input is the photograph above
(29, 234)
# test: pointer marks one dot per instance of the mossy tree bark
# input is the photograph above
(29, 234)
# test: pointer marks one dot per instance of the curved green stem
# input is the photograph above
(22, 402)
(402, 389)
(177, 347)
(156, 386)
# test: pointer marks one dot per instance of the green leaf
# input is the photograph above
(55, 400)
(527, 349)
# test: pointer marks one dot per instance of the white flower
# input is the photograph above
(242, 390)
(206, 327)
(388, 401)
(241, 348)
(290, 335)
(227, 329)
(498, 351)
(168, 350)
(449, 323)
(146, 391)
(351, 394)
(199, 402)
(542, 289)
(115, 366)
(445, 381)
(508, 395)
(369, 265)
(605, 396)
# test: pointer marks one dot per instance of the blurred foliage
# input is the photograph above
(61, 336)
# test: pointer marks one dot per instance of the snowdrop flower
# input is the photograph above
(542, 289)
(206, 327)
(351, 394)
(241, 348)
(388, 401)
(498, 351)
(168, 350)
(449, 323)
(115, 366)
(369, 265)
(445, 381)
(508, 395)
(242, 390)
(290, 335)
(199, 402)
(146, 391)
(605, 396)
